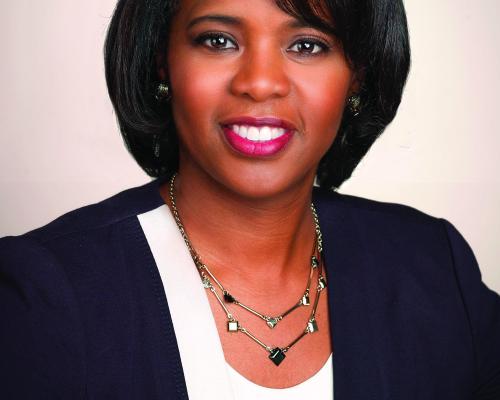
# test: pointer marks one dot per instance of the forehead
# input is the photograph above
(258, 10)
(261, 14)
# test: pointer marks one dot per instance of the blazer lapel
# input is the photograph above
(371, 355)
(200, 349)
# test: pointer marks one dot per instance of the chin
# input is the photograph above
(249, 178)
(267, 185)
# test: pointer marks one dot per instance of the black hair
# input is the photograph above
(374, 37)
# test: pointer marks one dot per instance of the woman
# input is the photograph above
(229, 276)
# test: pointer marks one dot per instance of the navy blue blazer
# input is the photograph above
(84, 314)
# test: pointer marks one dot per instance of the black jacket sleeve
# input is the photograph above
(41, 338)
(483, 311)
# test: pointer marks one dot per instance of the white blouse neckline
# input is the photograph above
(207, 374)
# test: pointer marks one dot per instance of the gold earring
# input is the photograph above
(162, 92)
(354, 104)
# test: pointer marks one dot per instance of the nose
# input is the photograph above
(261, 75)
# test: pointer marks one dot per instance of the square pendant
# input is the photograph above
(232, 326)
(312, 326)
(305, 300)
(277, 356)
(322, 282)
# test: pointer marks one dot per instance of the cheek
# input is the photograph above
(323, 100)
(196, 89)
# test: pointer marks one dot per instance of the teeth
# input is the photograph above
(243, 131)
(265, 133)
(257, 134)
(253, 133)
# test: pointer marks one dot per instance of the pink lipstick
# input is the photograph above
(257, 137)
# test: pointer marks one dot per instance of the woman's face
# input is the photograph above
(257, 97)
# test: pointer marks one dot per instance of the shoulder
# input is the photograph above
(47, 265)
(53, 277)
(85, 244)
(43, 262)
(393, 233)
(82, 235)
(372, 216)
(364, 206)
(423, 264)
(101, 215)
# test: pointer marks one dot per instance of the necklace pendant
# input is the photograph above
(322, 282)
(206, 282)
(314, 262)
(233, 326)
(312, 326)
(228, 298)
(277, 356)
(272, 322)
(305, 300)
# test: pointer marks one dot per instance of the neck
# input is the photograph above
(250, 239)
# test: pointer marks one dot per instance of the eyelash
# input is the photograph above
(203, 38)
(213, 36)
(323, 46)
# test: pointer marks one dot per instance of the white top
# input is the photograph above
(319, 386)
(207, 374)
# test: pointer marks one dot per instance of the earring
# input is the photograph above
(162, 92)
(156, 146)
(354, 104)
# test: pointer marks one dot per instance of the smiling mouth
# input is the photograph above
(257, 137)
(256, 133)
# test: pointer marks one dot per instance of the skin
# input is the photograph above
(247, 217)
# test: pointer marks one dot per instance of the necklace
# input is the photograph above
(271, 322)
(276, 354)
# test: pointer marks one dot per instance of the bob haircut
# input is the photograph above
(374, 37)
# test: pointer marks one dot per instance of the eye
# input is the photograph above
(216, 41)
(308, 47)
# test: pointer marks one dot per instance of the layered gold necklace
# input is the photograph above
(225, 299)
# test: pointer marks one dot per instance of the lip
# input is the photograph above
(265, 148)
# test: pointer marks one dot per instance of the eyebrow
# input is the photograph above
(230, 20)
(225, 19)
